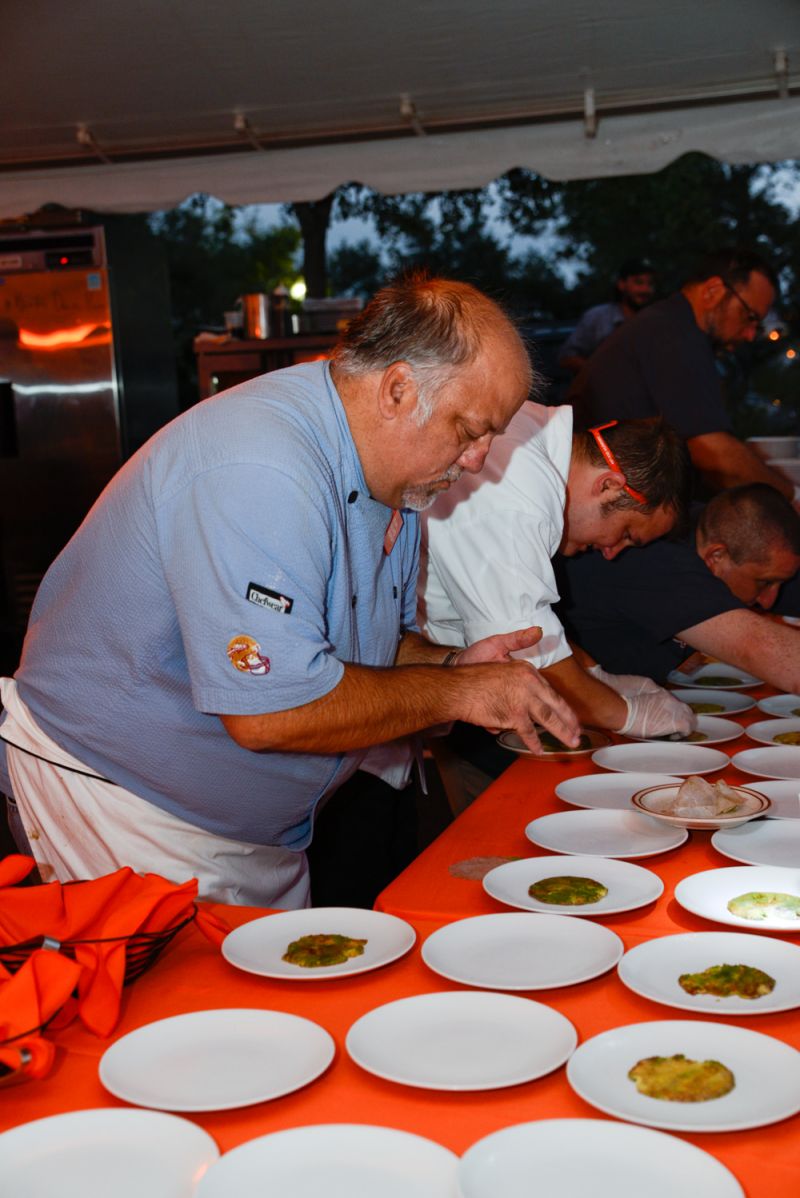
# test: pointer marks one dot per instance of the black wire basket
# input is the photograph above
(141, 948)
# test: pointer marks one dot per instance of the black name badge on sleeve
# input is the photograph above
(264, 597)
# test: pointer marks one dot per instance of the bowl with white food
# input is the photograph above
(698, 804)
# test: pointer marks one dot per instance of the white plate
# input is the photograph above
(604, 834)
(763, 732)
(461, 1040)
(716, 731)
(736, 679)
(510, 740)
(216, 1060)
(779, 761)
(779, 705)
(708, 893)
(772, 842)
(729, 701)
(666, 757)
(652, 799)
(590, 1158)
(766, 1072)
(629, 886)
(607, 792)
(337, 1160)
(516, 952)
(95, 1153)
(784, 795)
(652, 969)
(258, 946)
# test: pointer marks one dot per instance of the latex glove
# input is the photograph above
(624, 684)
(657, 713)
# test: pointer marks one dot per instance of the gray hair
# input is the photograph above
(435, 325)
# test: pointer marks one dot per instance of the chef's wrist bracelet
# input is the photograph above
(451, 658)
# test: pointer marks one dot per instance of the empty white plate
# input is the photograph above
(258, 946)
(652, 969)
(517, 952)
(715, 731)
(461, 1040)
(664, 757)
(781, 761)
(784, 795)
(763, 732)
(337, 1160)
(607, 792)
(730, 677)
(216, 1060)
(94, 1153)
(708, 893)
(604, 834)
(768, 842)
(629, 886)
(726, 702)
(589, 1158)
(784, 706)
(766, 1073)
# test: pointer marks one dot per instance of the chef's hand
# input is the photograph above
(624, 684)
(514, 696)
(657, 713)
(499, 647)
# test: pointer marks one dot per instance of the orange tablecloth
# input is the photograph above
(766, 1161)
(192, 975)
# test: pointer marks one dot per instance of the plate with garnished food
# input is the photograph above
(690, 1075)
(752, 898)
(554, 749)
(605, 886)
(715, 702)
(713, 675)
(318, 943)
(715, 973)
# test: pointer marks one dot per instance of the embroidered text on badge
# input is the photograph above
(245, 655)
(264, 597)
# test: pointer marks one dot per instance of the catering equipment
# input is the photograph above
(255, 315)
(87, 374)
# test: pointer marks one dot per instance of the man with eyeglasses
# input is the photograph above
(662, 364)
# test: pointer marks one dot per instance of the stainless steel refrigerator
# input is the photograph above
(86, 375)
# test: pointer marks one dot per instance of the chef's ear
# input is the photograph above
(716, 557)
(397, 391)
(608, 483)
(712, 291)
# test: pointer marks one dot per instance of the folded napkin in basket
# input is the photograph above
(95, 921)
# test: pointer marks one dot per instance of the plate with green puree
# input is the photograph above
(715, 675)
(552, 748)
(716, 973)
(318, 943)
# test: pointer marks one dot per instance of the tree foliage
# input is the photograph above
(213, 257)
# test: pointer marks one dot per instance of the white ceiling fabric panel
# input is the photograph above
(158, 85)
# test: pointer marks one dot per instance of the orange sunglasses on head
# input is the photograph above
(611, 461)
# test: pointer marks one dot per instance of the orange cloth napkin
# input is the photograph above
(28, 999)
(110, 908)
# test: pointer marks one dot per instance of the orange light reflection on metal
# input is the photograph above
(58, 338)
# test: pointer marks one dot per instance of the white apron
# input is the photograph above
(80, 826)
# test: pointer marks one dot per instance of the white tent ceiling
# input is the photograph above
(133, 106)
